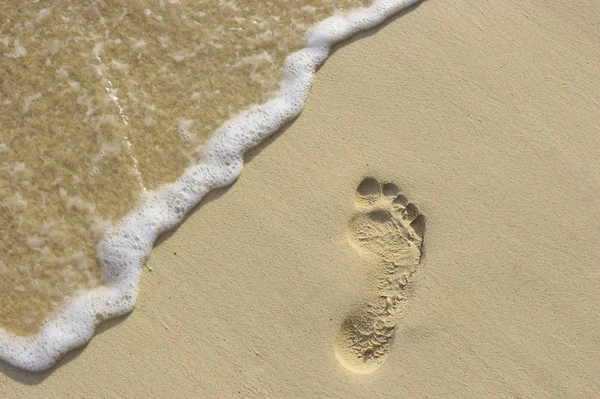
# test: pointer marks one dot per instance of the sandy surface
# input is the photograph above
(485, 117)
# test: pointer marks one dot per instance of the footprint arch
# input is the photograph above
(389, 230)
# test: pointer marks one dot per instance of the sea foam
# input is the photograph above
(125, 247)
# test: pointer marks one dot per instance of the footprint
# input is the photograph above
(387, 230)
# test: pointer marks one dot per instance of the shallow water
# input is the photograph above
(102, 101)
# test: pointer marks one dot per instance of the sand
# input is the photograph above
(487, 119)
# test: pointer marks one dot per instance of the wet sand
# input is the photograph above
(101, 102)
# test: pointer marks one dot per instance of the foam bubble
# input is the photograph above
(124, 248)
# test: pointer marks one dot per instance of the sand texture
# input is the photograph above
(482, 115)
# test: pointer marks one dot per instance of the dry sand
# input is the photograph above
(487, 118)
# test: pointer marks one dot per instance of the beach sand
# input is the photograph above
(487, 118)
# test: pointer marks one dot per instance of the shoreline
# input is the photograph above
(124, 248)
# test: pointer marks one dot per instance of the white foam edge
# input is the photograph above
(124, 248)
